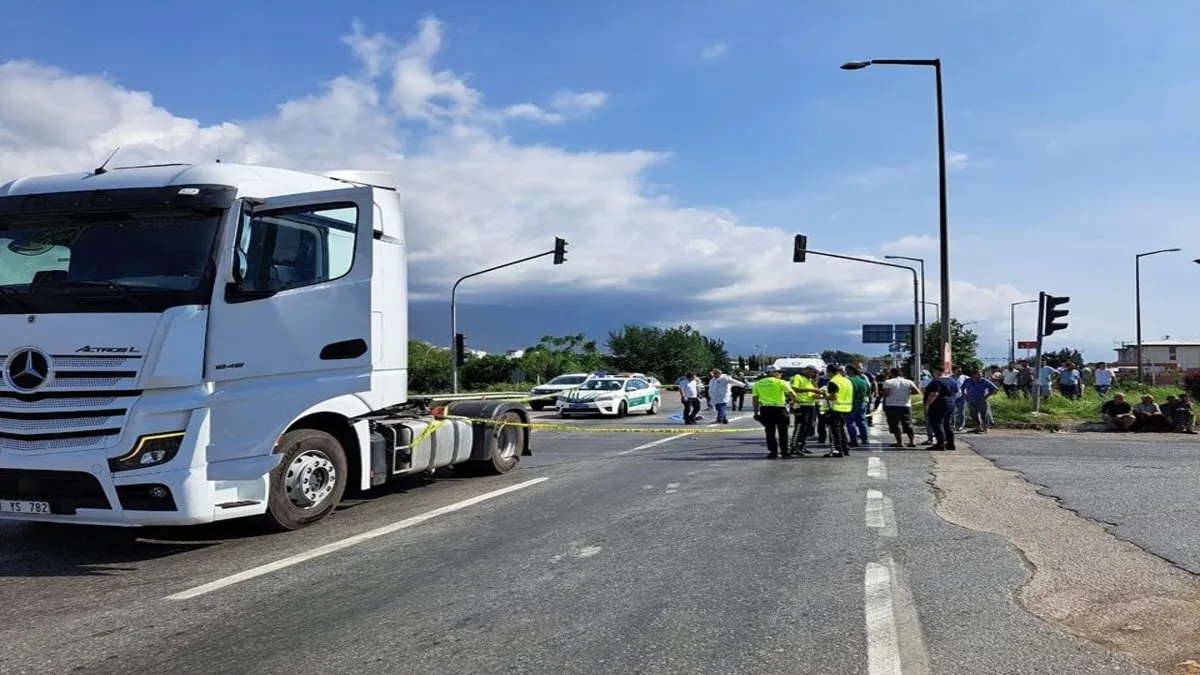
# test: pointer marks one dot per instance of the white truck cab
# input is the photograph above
(183, 344)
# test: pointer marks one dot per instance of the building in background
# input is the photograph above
(1161, 359)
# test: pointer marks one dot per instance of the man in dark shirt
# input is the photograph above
(1117, 412)
(940, 394)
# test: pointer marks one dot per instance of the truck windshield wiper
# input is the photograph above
(13, 297)
(124, 291)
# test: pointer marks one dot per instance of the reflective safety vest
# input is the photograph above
(801, 382)
(844, 401)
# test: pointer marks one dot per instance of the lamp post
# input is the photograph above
(1137, 293)
(921, 262)
(943, 210)
(1012, 328)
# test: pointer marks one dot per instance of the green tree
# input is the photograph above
(553, 356)
(666, 352)
(741, 363)
(841, 357)
(483, 371)
(964, 344)
(1060, 358)
(719, 356)
(429, 368)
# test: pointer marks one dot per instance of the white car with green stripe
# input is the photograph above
(617, 396)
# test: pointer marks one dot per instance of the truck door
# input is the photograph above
(297, 292)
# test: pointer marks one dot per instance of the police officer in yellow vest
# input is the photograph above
(840, 393)
(804, 384)
(770, 396)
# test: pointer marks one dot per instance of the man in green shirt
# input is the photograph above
(770, 397)
(857, 420)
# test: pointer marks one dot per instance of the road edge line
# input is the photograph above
(340, 544)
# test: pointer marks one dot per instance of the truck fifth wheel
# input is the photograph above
(190, 343)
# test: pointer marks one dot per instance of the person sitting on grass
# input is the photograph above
(1117, 413)
(1179, 412)
(1150, 417)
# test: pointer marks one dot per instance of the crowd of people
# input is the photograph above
(833, 408)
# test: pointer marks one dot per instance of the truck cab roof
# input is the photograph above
(249, 180)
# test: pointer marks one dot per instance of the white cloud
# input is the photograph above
(956, 160)
(473, 195)
(913, 246)
(571, 103)
(713, 52)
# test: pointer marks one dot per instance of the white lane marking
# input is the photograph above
(883, 643)
(588, 551)
(876, 468)
(880, 514)
(894, 642)
(731, 421)
(347, 542)
(651, 444)
(671, 492)
(672, 486)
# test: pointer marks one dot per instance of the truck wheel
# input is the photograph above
(507, 444)
(309, 481)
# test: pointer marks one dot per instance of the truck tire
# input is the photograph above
(507, 445)
(309, 481)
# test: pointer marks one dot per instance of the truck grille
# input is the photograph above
(82, 406)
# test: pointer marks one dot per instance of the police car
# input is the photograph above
(611, 395)
(543, 393)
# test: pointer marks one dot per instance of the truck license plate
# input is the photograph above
(15, 506)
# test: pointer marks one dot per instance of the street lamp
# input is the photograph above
(944, 219)
(1012, 328)
(1137, 291)
(920, 261)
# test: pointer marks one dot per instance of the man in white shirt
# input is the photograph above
(897, 406)
(720, 393)
(1104, 379)
(689, 394)
(1044, 378)
(1010, 380)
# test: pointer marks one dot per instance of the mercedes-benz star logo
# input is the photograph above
(27, 370)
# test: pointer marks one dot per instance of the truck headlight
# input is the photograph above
(150, 450)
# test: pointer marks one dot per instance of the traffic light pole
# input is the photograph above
(1037, 374)
(558, 251)
(918, 338)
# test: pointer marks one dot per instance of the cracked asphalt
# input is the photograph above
(609, 555)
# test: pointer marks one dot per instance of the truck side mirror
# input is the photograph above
(240, 266)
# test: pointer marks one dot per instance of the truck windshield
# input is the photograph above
(122, 262)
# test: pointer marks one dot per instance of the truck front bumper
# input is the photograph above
(81, 489)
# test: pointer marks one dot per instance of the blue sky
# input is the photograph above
(723, 128)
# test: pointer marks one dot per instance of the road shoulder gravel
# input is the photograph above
(1084, 581)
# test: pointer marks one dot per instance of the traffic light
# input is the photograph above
(560, 250)
(460, 348)
(1050, 322)
(801, 248)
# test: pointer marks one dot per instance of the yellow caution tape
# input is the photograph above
(546, 426)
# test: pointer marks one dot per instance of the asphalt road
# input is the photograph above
(611, 553)
(1140, 486)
